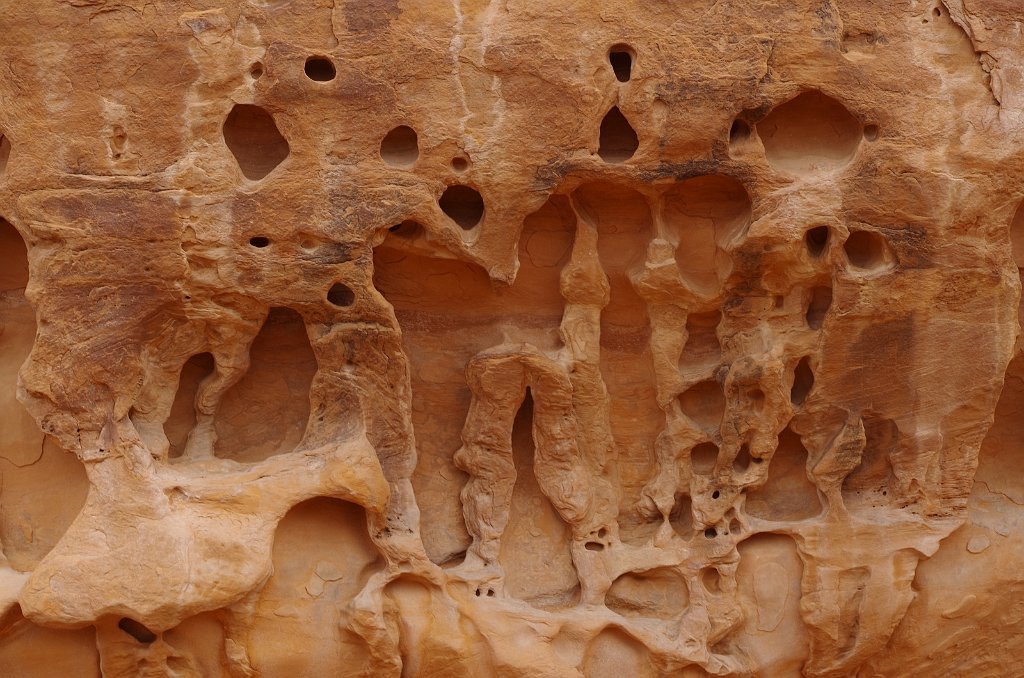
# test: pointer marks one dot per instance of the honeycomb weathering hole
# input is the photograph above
(704, 403)
(703, 217)
(341, 295)
(463, 204)
(618, 140)
(703, 458)
(621, 59)
(817, 240)
(868, 251)
(808, 134)
(739, 132)
(253, 138)
(400, 147)
(320, 69)
(817, 308)
(407, 230)
(803, 381)
(136, 630)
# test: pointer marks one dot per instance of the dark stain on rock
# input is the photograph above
(370, 16)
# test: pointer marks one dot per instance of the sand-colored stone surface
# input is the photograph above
(510, 338)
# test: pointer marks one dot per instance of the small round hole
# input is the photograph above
(256, 71)
(464, 205)
(259, 241)
(341, 295)
(716, 494)
(460, 164)
(320, 69)
(871, 132)
(711, 533)
(936, 12)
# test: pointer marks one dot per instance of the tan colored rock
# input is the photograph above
(406, 338)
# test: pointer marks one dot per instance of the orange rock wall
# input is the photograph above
(392, 338)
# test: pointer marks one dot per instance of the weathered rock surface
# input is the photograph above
(511, 338)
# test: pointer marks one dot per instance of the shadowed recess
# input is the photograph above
(803, 381)
(817, 307)
(320, 69)
(253, 138)
(704, 403)
(322, 557)
(788, 493)
(618, 140)
(817, 240)
(703, 217)
(5, 152)
(463, 205)
(400, 147)
(621, 59)
(868, 251)
(739, 132)
(659, 593)
(811, 133)
(136, 630)
(535, 544)
(341, 295)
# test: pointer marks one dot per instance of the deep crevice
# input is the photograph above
(817, 308)
(803, 381)
(136, 630)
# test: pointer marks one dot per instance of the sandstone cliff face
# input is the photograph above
(380, 338)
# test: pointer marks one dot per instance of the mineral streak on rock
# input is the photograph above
(392, 338)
